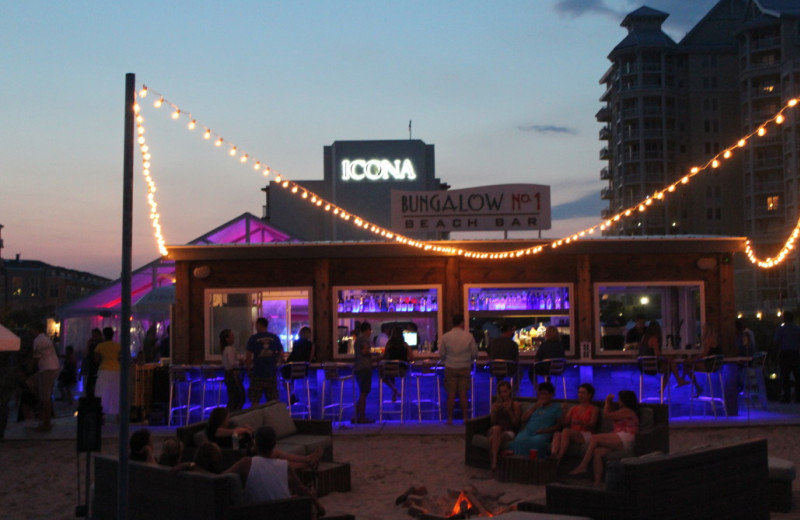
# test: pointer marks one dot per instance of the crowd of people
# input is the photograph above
(547, 429)
(266, 473)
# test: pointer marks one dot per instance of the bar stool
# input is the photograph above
(473, 381)
(548, 368)
(211, 375)
(428, 371)
(180, 381)
(653, 366)
(753, 380)
(292, 373)
(500, 369)
(711, 365)
(336, 374)
(390, 368)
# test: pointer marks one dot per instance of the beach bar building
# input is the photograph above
(589, 289)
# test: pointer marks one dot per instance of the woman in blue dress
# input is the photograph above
(541, 421)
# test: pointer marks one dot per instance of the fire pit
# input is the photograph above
(455, 504)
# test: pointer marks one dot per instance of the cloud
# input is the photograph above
(588, 206)
(576, 8)
(682, 15)
(548, 129)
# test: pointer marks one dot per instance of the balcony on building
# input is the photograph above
(768, 163)
(603, 115)
(606, 213)
(606, 193)
(767, 187)
(605, 174)
(760, 44)
(605, 133)
(605, 154)
(767, 91)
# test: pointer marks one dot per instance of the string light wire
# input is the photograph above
(338, 212)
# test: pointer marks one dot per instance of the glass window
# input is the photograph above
(415, 309)
(530, 309)
(287, 309)
(679, 308)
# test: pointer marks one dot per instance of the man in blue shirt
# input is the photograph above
(264, 354)
(787, 337)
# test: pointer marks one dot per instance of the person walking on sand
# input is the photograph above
(42, 381)
(787, 338)
(457, 351)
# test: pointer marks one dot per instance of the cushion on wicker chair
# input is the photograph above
(279, 418)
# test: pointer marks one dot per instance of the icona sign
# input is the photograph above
(378, 170)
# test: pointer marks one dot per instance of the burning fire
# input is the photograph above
(462, 507)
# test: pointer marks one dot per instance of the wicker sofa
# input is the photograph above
(728, 482)
(653, 434)
(155, 493)
(298, 436)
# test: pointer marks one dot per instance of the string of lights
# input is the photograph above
(319, 202)
(144, 149)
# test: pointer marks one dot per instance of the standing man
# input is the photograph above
(504, 347)
(457, 350)
(787, 337)
(264, 353)
(362, 370)
(41, 382)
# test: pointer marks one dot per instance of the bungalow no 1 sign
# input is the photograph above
(501, 207)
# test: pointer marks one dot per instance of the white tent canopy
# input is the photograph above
(8, 340)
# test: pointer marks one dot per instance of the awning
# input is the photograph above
(8, 340)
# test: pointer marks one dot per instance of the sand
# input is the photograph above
(39, 479)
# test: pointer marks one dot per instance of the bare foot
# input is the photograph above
(578, 471)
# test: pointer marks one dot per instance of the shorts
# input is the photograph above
(363, 377)
(457, 380)
(587, 436)
(627, 439)
(262, 385)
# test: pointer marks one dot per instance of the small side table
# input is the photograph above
(329, 477)
(521, 470)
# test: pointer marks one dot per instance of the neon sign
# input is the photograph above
(378, 170)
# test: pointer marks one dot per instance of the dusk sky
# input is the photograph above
(505, 90)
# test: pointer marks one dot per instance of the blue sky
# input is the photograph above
(505, 90)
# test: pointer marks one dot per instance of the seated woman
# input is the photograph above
(541, 420)
(398, 350)
(207, 459)
(651, 346)
(171, 452)
(579, 423)
(220, 431)
(626, 425)
(697, 364)
(506, 415)
(141, 447)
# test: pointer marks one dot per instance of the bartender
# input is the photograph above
(635, 334)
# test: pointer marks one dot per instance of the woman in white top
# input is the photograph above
(232, 363)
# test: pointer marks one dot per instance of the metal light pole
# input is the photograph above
(125, 318)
